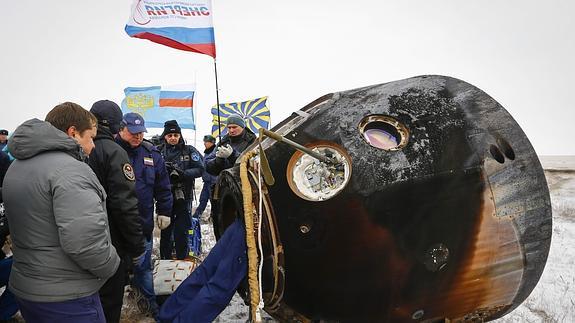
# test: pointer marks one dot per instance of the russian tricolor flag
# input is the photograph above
(182, 24)
(157, 104)
(176, 98)
(177, 102)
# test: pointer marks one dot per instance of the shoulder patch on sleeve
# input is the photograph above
(195, 156)
(128, 172)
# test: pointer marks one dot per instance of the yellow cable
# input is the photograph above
(250, 239)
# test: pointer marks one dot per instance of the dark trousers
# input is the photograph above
(179, 227)
(112, 294)
(80, 310)
(208, 290)
(8, 305)
(144, 278)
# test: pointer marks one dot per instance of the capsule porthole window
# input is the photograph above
(384, 132)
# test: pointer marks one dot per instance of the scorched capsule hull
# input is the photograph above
(437, 209)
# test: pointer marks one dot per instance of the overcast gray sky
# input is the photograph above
(522, 53)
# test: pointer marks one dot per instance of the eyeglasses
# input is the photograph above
(173, 135)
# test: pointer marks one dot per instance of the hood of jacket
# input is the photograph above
(35, 136)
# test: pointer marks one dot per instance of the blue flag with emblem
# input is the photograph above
(158, 104)
(255, 112)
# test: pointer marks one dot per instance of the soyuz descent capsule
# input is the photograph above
(434, 207)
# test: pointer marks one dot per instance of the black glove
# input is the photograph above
(179, 170)
(170, 167)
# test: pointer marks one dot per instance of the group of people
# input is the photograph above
(80, 197)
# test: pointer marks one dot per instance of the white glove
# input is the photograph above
(224, 151)
(163, 221)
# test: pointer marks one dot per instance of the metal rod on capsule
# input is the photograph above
(297, 146)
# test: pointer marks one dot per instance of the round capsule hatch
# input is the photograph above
(314, 180)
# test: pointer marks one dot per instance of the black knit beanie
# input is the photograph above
(171, 126)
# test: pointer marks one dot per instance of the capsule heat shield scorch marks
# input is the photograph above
(437, 207)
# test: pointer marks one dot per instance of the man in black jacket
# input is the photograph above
(238, 138)
(112, 167)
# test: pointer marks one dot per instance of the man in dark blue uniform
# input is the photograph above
(184, 164)
(210, 287)
(112, 166)
(152, 183)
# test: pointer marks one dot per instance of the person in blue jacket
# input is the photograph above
(8, 304)
(208, 179)
(152, 184)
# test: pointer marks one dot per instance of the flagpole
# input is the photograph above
(218, 102)
(194, 112)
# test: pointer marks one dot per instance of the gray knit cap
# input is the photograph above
(237, 120)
